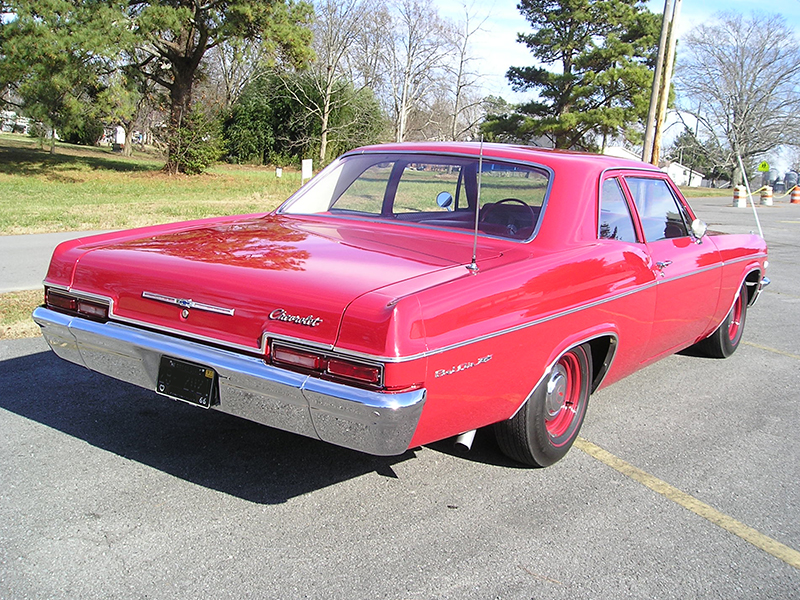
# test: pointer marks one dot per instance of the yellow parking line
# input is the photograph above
(788, 555)
(768, 349)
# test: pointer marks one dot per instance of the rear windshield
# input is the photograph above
(432, 191)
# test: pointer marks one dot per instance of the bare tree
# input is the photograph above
(336, 29)
(366, 60)
(339, 28)
(419, 48)
(230, 66)
(464, 81)
(744, 74)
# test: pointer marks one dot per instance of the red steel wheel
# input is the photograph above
(736, 322)
(564, 401)
(544, 429)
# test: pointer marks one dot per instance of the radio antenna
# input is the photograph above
(750, 194)
(473, 266)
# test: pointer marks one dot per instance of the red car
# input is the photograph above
(410, 293)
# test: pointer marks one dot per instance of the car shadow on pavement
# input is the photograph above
(208, 448)
(484, 450)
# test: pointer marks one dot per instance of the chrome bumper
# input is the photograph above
(373, 422)
(764, 282)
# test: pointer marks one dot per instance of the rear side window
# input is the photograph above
(662, 216)
(615, 216)
(366, 194)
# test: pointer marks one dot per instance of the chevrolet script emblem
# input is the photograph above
(187, 303)
(280, 314)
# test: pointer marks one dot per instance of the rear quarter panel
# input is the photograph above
(492, 336)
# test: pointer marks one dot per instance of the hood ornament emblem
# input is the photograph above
(188, 303)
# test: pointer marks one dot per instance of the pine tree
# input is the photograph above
(594, 80)
(54, 56)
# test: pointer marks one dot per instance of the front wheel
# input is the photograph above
(546, 426)
(725, 339)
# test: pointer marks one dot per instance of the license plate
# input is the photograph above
(186, 381)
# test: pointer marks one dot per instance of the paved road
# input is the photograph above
(108, 491)
(24, 258)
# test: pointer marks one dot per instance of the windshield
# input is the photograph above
(428, 190)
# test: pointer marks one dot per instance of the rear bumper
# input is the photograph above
(377, 423)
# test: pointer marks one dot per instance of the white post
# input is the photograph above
(307, 170)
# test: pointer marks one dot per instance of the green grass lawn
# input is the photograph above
(15, 314)
(81, 188)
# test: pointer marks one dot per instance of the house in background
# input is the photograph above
(13, 123)
(682, 175)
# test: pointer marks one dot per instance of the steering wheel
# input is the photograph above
(509, 222)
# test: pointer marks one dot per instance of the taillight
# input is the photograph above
(62, 301)
(69, 303)
(366, 373)
(322, 364)
(297, 358)
(94, 310)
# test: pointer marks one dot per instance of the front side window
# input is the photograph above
(429, 190)
(662, 216)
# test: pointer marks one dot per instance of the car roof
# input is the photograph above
(555, 159)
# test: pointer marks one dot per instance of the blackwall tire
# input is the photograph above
(546, 426)
(726, 338)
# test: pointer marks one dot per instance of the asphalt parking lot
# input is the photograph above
(108, 491)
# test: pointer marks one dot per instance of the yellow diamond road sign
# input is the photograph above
(763, 167)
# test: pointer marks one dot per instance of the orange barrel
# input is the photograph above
(740, 197)
(766, 196)
(796, 194)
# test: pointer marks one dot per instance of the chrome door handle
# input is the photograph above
(661, 265)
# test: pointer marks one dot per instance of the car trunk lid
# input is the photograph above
(232, 282)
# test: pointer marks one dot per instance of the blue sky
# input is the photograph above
(497, 48)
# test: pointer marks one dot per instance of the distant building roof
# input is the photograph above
(621, 152)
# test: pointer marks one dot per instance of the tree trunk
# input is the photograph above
(326, 117)
(323, 143)
(180, 105)
(127, 149)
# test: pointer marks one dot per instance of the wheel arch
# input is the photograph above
(604, 349)
(603, 345)
(753, 282)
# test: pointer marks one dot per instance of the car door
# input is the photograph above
(628, 265)
(686, 269)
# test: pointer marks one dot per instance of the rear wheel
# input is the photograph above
(546, 426)
(725, 339)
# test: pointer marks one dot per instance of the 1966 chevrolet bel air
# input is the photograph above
(410, 293)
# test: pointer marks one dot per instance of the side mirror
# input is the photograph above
(445, 200)
(699, 229)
